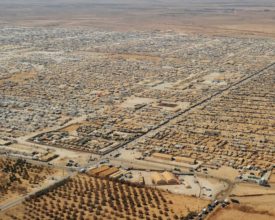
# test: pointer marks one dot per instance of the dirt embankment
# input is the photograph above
(241, 212)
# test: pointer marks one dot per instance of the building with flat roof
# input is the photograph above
(158, 179)
(162, 156)
(170, 178)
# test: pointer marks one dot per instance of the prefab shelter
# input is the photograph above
(187, 160)
(158, 179)
(170, 178)
(108, 172)
(96, 171)
(162, 156)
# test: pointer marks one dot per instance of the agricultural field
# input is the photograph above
(84, 197)
(19, 177)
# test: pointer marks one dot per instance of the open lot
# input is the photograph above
(263, 210)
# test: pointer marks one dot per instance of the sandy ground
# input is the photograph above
(256, 202)
(224, 172)
(15, 193)
(244, 189)
(206, 188)
(20, 189)
(223, 17)
(188, 187)
(210, 187)
(265, 202)
(191, 203)
(20, 77)
(180, 165)
(22, 149)
(241, 213)
(66, 155)
(132, 101)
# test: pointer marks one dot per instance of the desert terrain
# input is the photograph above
(223, 17)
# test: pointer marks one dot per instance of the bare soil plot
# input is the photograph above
(241, 212)
(245, 189)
